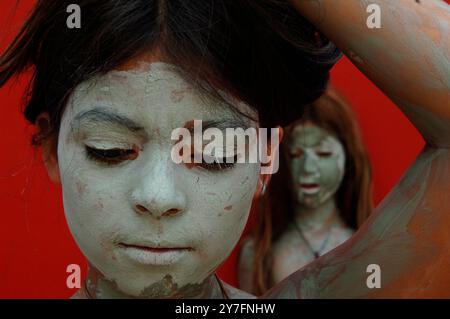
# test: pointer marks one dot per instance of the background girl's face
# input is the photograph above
(316, 162)
(151, 226)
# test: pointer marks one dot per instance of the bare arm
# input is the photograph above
(409, 235)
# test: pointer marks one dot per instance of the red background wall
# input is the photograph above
(35, 244)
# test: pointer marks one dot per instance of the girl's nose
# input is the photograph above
(158, 194)
(309, 165)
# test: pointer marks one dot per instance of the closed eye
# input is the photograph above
(296, 153)
(324, 154)
(217, 164)
(110, 156)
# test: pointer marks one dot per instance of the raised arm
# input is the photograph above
(409, 235)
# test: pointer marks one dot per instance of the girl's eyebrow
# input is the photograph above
(321, 142)
(222, 125)
(104, 115)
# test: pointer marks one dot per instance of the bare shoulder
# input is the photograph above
(339, 235)
(342, 233)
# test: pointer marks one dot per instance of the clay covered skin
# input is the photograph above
(408, 236)
(148, 226)
(316, 163)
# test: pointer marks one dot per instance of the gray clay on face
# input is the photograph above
(108, 205)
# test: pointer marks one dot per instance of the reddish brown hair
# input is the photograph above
(354, 196)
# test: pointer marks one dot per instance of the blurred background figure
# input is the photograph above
(319, 197)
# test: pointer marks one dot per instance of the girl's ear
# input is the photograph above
(48, 146)
(264, 179)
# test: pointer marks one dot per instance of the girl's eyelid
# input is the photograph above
(214, 159)
(216, 167)
(110, 157)
(295, 152)
(211, 163)
(324, 147)
(222, 154)
(324, 153)
(324, 150)
(114, 141)
(102, 144)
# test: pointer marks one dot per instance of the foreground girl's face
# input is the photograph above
(147, 224)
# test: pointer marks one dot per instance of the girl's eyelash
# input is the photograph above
(298, 153)
(110, 156)
(114, 156)
(295, 153)
(221, 165)
(324, 153)
(217, 166)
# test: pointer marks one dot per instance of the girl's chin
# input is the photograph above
(309, 201)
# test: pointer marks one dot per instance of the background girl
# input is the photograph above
(321, 194)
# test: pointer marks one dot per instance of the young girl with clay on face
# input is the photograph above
(265, 55)
(320, 195)
(106, 109)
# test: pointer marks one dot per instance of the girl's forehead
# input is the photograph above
(309, 134)
(143, 78)
(153, 90)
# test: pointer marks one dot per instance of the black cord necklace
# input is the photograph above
(316, 253)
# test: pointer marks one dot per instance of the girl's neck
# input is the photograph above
(96, 286)
(316, 218)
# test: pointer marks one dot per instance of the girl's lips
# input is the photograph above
(309, 185)
(310, 188)
(157, 256)
(154, 249)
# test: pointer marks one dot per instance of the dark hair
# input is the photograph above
(261, 51)
(353, 198)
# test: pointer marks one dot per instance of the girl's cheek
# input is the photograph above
(239, 204)
(331, 173)
(80, 189)
(294, 170)
(87, 204)
(229, 198)
(98, 206)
